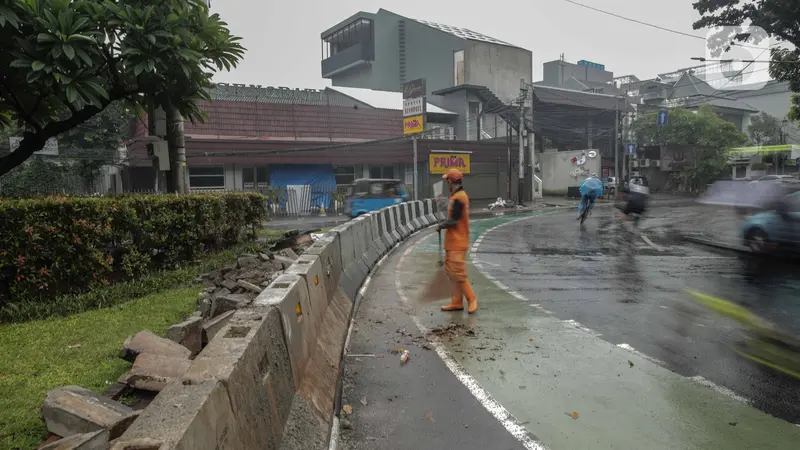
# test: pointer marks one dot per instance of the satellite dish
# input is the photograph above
(592, 154)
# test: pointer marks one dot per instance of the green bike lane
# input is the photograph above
(570, 388)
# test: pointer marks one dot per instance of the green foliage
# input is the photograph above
(779, 18)
(707, 135)
(64, 61)
(42, 176)
(765, 129)
(59, 245)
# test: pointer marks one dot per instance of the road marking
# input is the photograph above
(651, 244)
(509, 422)
(640, 354)
(720, 389)
(697, 379)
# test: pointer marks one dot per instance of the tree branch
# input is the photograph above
(33, 142)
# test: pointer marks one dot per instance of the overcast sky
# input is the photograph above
(283, 37)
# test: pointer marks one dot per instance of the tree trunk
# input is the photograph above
(177, 151)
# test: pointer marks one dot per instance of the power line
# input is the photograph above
(651, 25)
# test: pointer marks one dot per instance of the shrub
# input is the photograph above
(58, 245)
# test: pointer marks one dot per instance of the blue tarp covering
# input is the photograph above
(319, 176)
(592, 186)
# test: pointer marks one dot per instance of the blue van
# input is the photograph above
(372, 194)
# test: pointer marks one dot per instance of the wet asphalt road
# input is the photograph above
(640, 301)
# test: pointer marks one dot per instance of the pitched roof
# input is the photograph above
(464, 33)
(689, 85)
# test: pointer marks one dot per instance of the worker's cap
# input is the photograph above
(454, 175)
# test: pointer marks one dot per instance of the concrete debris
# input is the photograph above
(154, 372)
(188, 333)
(249, 286)
(97, 440)
(71, 410)
(284, 261)
(288, 253)
(230, 302)
(213, 326)
(148, 342)
(247, 261)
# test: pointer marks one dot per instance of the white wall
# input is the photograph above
(498, 67)
(556, 168)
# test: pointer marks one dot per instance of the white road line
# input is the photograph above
(511, 424)
(651, 244)
(697, 379)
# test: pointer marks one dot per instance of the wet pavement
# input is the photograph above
(585, 346)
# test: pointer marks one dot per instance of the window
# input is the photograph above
(207, 177)
(381, 171)
(458, 60)
(344, 174)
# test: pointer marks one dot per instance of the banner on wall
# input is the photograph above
(440, 163)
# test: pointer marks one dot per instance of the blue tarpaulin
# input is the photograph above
(592, 186)
(319, 177)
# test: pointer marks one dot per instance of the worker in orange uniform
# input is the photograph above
(456, 244)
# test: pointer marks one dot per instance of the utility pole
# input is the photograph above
(414, 143)
(616, 149)
(523, 95)
(532, 149)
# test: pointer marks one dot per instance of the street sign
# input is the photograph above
(630, 149)
(663, 118)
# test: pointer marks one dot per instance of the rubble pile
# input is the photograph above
(82, 417)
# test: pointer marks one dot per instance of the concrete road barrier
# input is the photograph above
(327, 248)
(430, 211)
(385, 221)
(288, 293)
(268, 378)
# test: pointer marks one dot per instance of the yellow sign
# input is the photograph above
(413, 124)
(440, 163)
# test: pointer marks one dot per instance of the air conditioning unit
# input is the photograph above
(646, 163)
(657, 163)
(635, 163)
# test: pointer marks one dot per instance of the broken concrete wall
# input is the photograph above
(269, 375)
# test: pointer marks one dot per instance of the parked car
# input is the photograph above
(609, 186)
(775, 230)
(642, 180)
(372, 194)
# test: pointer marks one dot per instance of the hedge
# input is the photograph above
(57, 245)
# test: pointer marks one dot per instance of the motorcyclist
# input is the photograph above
(637, 194)
(590, 189)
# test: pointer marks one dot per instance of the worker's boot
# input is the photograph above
(456, 304)
(472, 300)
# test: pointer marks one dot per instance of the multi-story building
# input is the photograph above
(383, 50)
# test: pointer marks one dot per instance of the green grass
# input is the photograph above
(77, 350)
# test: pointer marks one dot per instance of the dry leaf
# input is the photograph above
(347, 409)
(630, 363)
(574, 415)
(430, 417)
(364, 401)
(531, 339)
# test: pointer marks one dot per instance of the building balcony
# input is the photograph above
(357, 55)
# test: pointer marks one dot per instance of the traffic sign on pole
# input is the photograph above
(663, 118)
(630, 149)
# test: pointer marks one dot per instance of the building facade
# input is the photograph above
(383, 50)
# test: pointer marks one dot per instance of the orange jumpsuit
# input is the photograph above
(456, 244)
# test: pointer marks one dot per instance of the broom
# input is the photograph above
(439, 288)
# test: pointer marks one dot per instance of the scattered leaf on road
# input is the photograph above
(364, 401)
(531, 339)
(574, 415)
(347, 409)
(430, 417)
(630, 363)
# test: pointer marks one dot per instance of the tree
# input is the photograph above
(707, 135)
(765, 129)
(779, 18)
(64, 61)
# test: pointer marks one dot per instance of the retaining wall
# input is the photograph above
(268, 380)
